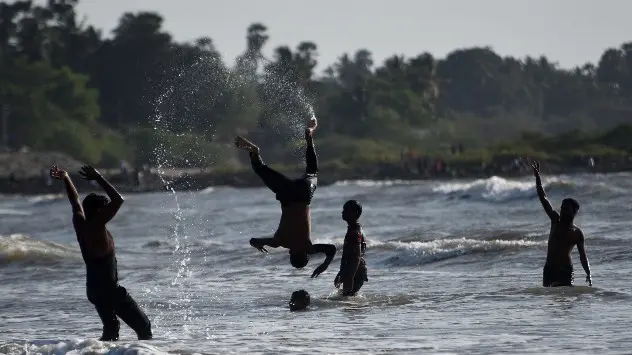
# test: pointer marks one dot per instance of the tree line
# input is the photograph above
(140, 95)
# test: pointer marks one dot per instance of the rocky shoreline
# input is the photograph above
(198, 179)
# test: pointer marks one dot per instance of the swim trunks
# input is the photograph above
(557, 275)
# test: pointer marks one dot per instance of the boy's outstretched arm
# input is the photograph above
(78, 215)
(330, 252)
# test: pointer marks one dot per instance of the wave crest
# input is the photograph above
(419, 252)
(496, 189)
(374, 183)
(426, 252)
(88, 346)
(19, 248)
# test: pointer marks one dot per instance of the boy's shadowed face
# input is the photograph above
(299, 301)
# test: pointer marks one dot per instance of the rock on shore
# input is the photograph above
(24, 165)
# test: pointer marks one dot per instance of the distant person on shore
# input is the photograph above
(47, 179)
(353, 271)
(97, 249)
(295, 196)
(563, 236)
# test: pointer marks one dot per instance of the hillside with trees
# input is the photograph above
(136, 94)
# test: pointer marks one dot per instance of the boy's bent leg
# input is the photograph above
(127, 309)
(102, 301)
(273, 179)
(111, 324)
(348, 276)
(360, 277)
(311, 160)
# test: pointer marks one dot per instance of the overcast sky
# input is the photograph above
(570, 32)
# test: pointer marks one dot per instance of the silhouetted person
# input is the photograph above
(295, 196)
(353, 271)
(97, 249)
(563, 236)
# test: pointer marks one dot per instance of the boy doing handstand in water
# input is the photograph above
(295, 196)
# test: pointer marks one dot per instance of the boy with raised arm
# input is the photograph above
(97, 249)
(295, 196)
(563, 236)
(353, 271)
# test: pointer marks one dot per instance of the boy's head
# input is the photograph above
(93, 203)
(351, 211)
(569, 209)
(300, 300)
(299, 259)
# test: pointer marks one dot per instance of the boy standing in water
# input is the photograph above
(97, 249)
(563, 236)
(295, 196)
(353, 271)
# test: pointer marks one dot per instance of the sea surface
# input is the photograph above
(454, 268)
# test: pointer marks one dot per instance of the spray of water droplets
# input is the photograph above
(290, 111)
(179, 238)
(181, 288)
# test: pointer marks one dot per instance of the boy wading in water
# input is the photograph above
(353, 271)
(563, 236)
(97, 249)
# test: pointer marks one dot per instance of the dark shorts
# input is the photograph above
(360, 278)
(557, 275)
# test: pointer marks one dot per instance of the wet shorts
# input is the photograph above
(557, 275)
(360, 277)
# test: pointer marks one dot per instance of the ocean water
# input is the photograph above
(454, 268)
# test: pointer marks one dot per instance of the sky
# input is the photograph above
(569, 32)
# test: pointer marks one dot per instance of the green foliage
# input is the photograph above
(174, 149)
(568, 145)
(50, 109)
(71, 138)
(114, 146)
(142, 96)
(348, 150)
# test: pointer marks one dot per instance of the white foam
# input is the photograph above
(441, 249)
(12, 212)
(79, 346)
(494, 188)
(45, 198)
(373, 183)
(419, 252)
(464, 244)
(207, 190)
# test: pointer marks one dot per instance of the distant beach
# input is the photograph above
(27, 173)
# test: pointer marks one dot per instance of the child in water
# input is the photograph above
(353, 271)
(300, 300)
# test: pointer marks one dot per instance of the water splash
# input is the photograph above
(284, 106)
(288, 112)
(170, 118)
(181, 252)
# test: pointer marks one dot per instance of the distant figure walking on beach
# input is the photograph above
(563, 236)
(97, 249)
(295, 196)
